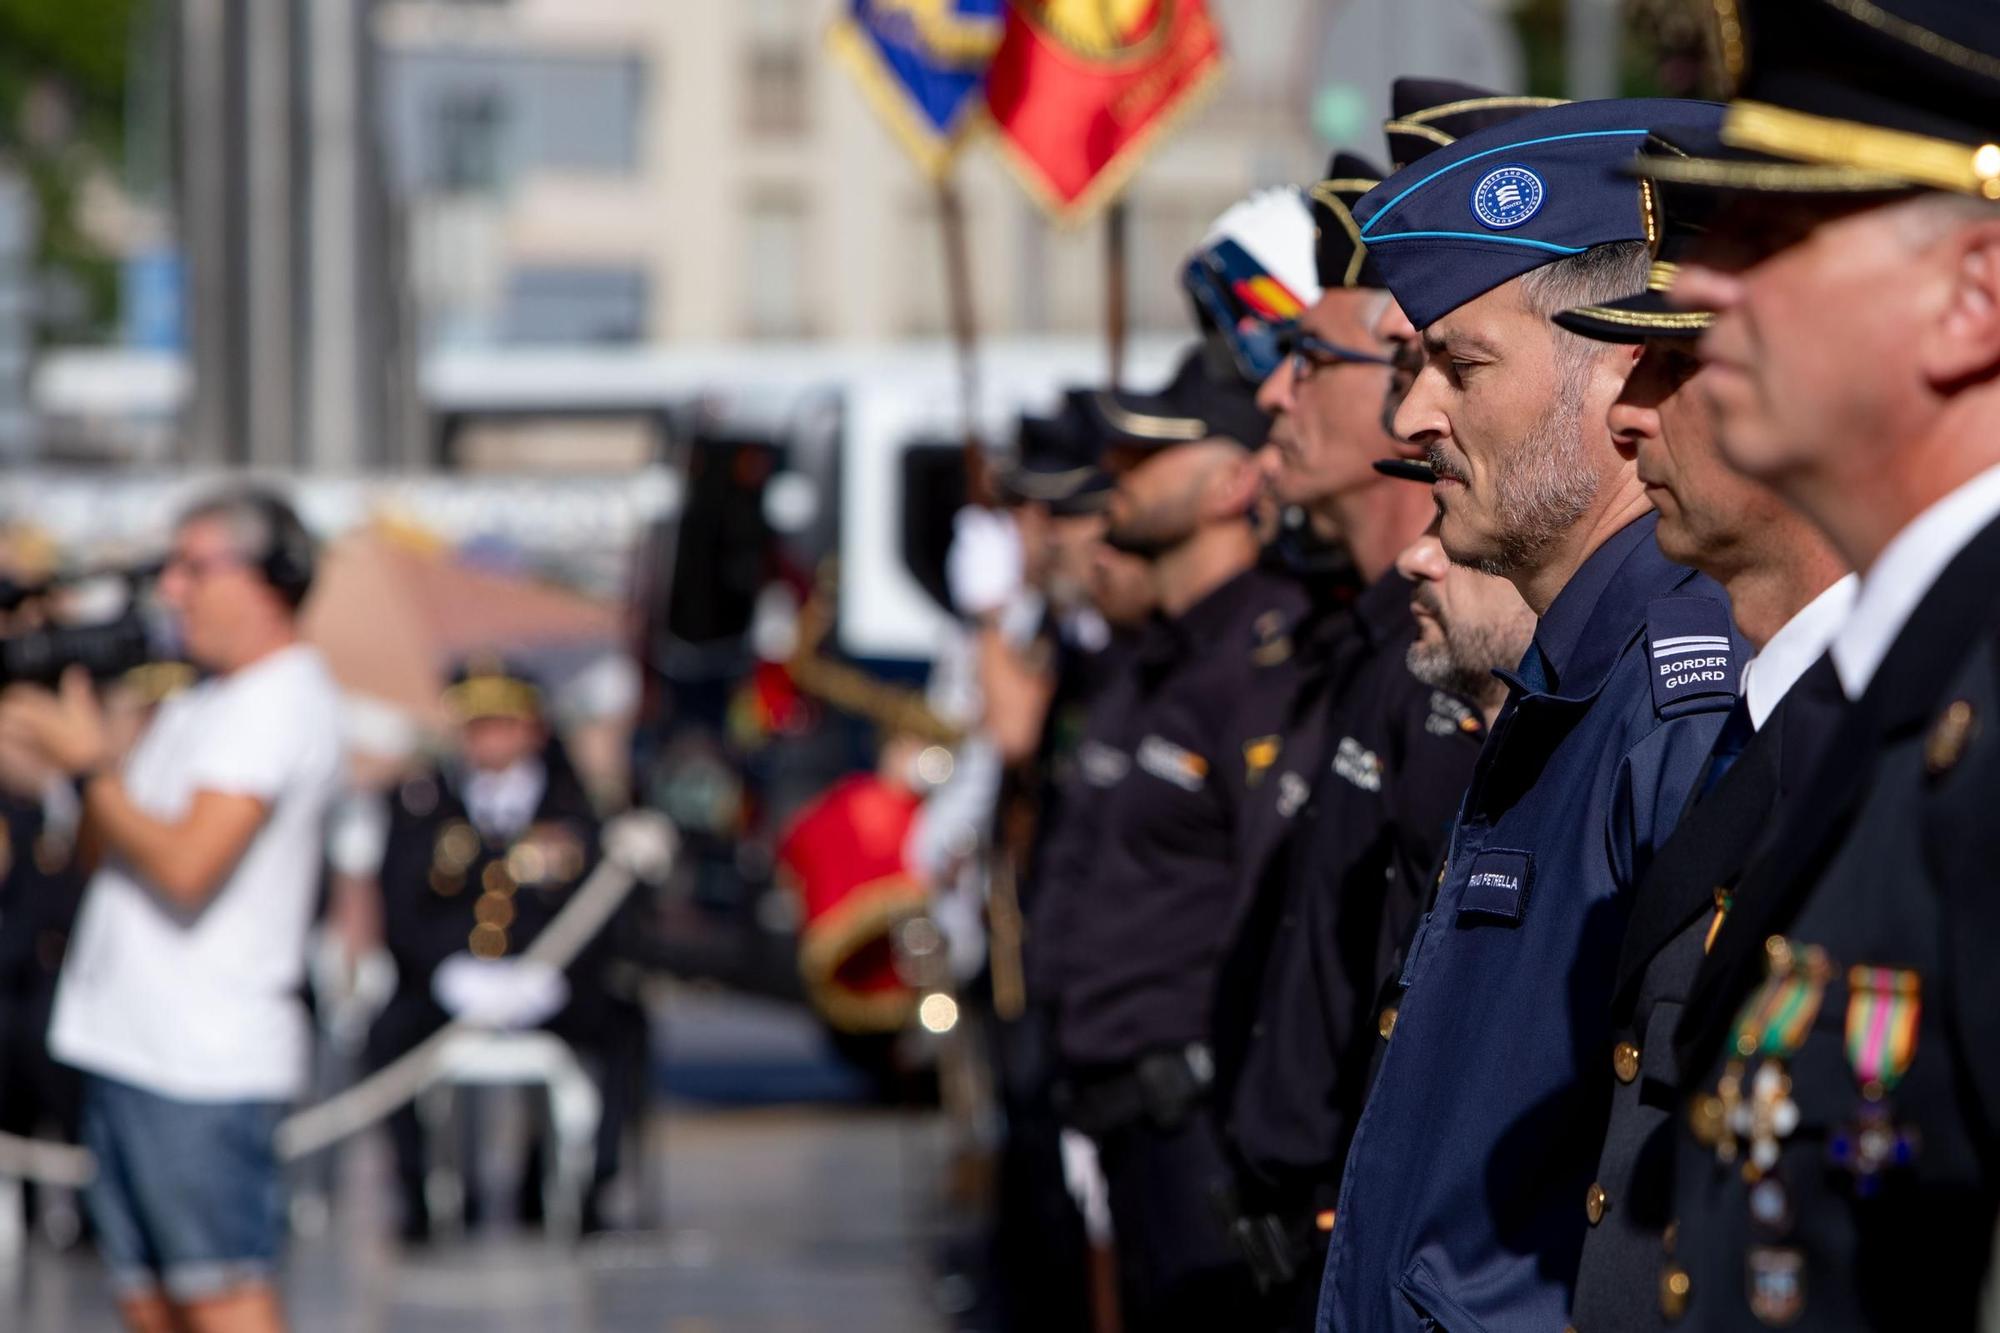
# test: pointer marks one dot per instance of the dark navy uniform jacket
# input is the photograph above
(1890, 861)
(1140, 892)
(1675, 915)
(1385, 758)
(1463, 1202)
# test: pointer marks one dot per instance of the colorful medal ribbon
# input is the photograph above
(1773, 1024)
(1775, 1021)
(1883, 1005)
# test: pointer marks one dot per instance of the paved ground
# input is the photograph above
(773, 1218)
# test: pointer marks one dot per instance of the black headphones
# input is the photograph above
(286, 561)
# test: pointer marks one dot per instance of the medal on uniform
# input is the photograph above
(1724, 900)
(1775, 1284)
(1770, 1028)
(1883, 1005)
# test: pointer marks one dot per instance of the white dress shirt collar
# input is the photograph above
(501, 804)
(1769, 676)
(1904, 573)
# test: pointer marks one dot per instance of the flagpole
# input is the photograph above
(1115, 227)
(964, 333)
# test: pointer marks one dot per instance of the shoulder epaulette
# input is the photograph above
(1691, 655)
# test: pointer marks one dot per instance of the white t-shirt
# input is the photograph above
(203, 1004)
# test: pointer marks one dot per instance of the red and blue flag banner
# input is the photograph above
(922, 64)
(1081, 89)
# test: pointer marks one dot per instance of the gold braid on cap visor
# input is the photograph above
(1328, 193)
(1893, 155)
(494, 696)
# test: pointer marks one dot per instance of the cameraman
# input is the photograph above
(180, 996)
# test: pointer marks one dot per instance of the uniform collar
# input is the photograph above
(1207, 622)
(1904, 573)
(1594, 617)
(1799, 642)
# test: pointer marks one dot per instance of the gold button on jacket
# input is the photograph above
(1625, 1061)
(1594, 1204)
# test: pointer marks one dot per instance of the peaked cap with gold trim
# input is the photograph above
(1854, 97)
(1428, 114)
(1683, 218)
(488, 686)
(1337, 249)
(1196, 404)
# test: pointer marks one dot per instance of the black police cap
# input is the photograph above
(1844, 97)
(1196, 404)
(1427, 114)
(1683, 218)
(1338, 252)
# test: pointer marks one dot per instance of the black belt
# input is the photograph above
(1163, 1088)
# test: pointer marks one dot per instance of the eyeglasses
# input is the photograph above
(1309, 353)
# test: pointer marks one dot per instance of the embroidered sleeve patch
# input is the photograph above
(1498, 885)
(1690, 651)
(1172, 763)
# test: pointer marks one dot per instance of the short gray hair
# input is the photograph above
(1601, 273)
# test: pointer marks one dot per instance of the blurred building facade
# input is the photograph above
(610, 171)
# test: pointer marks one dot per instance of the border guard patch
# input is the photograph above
(1691, 650)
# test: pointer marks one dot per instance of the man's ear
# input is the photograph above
(1963, 342)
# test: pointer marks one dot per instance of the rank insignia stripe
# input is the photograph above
(1692, 648)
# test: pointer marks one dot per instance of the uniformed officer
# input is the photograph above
(1463, 1202)
(1039, 1249)
(1789, 592)
(1355, 786)
(1843, 1036)
(481, 853)
(1143, 885)
(1426, 115)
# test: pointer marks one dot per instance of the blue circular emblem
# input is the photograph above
(1507, 197)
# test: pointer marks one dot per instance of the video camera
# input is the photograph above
(106, 648)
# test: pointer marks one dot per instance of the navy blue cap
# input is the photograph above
(1513, 197)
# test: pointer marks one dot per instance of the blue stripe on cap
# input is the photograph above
(1480, 236)
(1390, 207)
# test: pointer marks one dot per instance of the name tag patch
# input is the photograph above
(1498, 885)
(1173, 763)
(1101, 765)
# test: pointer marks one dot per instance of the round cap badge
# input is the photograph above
(1507, 197)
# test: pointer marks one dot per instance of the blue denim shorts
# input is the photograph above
(189, 1196)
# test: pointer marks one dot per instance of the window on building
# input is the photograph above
(575, 304)
(776, 67)
(467, 120)
(774, 239)
(470, 122)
